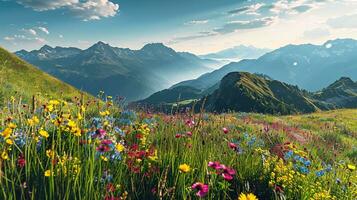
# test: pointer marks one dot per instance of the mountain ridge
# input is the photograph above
(134, 74)
(243, 91)
(294, 64)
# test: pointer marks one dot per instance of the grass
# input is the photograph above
(99, 151)
(20, 78)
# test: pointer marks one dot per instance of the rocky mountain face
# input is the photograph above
(133, 74)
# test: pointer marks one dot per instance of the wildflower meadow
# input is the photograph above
(98, 149)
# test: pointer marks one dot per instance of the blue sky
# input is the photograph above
(198, 26)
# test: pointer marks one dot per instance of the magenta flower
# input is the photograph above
(226, 172)
(189, 133)
(100, 133)
(106, 142)
(225, 130)
(103, 148)
(202, 189)
(232, 145)
(190, 122)
(213, 164)
(227, 177)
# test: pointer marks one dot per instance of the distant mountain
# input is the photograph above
(311, 67)
(19, 77)
(169, 96)
(133, 74)
(342, 93)
(237, 53)
(242, 91)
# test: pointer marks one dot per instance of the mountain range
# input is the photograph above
(20, 78)
(237, 53)
(133, 74)
(311, 67)
(246, 92)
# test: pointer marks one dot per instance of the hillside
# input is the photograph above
(241, 91)
(299, 65)
(342, 93)
(19, 77)
(134, 74)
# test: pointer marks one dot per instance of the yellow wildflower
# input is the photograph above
(9, 141)
(77, 131)
(249, 196)
(54, 102)
(119, 147)
(104, 158)
(71, 124)
(83, 108)
(154, 157)
(50, 153)
(104, 113)
(44, 133)
(184, 168)
(48, 173)
(4, 155)
(351, 167)
(33, 121)
(12, 125)
(79, 116)
(7, 132)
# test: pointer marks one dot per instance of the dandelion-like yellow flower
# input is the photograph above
(48, 173)
(104, 158)
(12, 125)
(351, 167)
(77, 132)
(104, 113)
(119, 147)
(6, 133)
(50, 153)
(9, 141)
(249, 196)
(44, 133)
(184, 168)
(4, 155)
(33, 121)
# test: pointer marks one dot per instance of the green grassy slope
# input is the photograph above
(21, 78)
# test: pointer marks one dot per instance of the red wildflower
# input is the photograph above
(21, 162)
(103, 148)
(110, 187)
(225, 130)
(232, 145)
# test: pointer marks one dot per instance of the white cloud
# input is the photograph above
(25, 39)
(241, 25)
(60, 36)
(7, 38)
(30, 31)
(248, 10)
(43, 29)
(86, 10)
(346, 21)
(195, 22)
(316, 33)
(43, 5)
